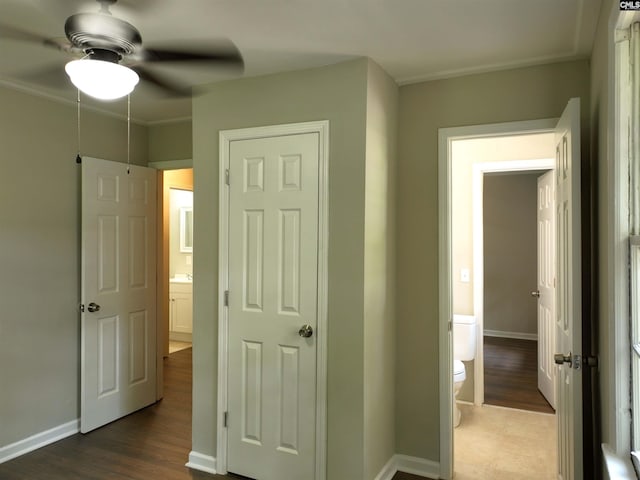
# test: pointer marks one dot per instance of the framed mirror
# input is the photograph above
(186, 229)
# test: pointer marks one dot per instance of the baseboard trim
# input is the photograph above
(181, 337)
(414, 465)
(388, 471)
(417, 466)
(39, 440)
(207, 463)
(202, 462)
(516, 335)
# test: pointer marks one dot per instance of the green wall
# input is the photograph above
(379, 272)
(506, 96)
(510, 211)
(170, 141)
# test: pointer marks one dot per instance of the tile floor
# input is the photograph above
(175, 346)
(497, 443)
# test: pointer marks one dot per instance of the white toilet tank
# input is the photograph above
(464, 337)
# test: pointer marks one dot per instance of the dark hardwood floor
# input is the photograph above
(407, 476)
(151, 444)
(511, 374)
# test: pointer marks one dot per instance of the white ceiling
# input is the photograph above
(413, 40)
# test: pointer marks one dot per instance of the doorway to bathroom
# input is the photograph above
(176, 277)
(495, 269)
(175, 227)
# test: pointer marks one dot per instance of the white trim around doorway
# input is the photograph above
(226, 137)
(172, 164)
(445, 138)
(479, 170)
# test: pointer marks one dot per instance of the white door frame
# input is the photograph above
(162, 332)
(445, 138)
(479, 170)
(226, 137)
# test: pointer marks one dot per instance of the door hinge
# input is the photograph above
(226, 419)
(81, 307)
(226, 177)
(226, 298)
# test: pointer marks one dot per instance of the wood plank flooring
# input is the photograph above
(151, 444)
(407, 476)
(511, 374)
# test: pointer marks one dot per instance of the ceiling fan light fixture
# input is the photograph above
(102, 79)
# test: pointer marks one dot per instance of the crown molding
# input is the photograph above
(497, 67)
(12, 85)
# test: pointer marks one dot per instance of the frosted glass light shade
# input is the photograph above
(100, 79)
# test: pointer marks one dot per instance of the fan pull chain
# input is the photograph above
(78, 157)
(128, 134)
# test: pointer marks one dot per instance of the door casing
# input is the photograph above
(479, 170)
(225, 139)
(445, 137)
(162, 261)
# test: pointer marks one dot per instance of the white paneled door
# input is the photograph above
(546, 287)
(273, 299)
(118, 319)
(568, 294)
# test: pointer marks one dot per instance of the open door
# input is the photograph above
(118, 319)
(546, 287)
(568, 294)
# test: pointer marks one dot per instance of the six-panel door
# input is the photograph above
(118, 324)
(273, 283)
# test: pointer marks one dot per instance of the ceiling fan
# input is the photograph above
(109, 58)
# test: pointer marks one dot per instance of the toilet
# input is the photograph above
(464, 349)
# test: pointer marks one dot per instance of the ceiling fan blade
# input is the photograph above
(170, 87)
(13, 33)
(226, 55)
(69, 7)
(52, 76)
(59, 10)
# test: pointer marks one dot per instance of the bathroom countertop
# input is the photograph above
(180, 279)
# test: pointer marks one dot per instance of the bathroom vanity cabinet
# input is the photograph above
(180, 311)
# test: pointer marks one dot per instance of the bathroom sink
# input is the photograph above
(181, 278)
